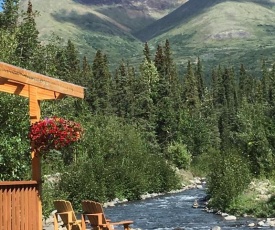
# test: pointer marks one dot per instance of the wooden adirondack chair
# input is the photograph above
(65, 211)
(93, 211)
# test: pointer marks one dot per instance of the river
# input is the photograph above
(172, 212)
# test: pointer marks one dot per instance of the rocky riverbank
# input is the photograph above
(188, 182)
(260, 190)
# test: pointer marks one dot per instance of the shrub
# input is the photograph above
(248, 204)
(179, 155)
(252, 202)
(229, 177)
(200, 165)
(114, 162)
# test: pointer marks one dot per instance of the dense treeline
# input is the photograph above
(140, 122)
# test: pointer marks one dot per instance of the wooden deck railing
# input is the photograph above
(19, 205)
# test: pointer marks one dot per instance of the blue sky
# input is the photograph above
(1, 5)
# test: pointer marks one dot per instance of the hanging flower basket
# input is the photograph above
(54, 133)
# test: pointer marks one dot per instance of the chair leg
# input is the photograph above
(55, 222)
(83, 224)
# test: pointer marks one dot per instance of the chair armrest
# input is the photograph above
(122, 222)
(125, 224)
(95, 219)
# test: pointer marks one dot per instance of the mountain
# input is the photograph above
(181, 15)
(219, 31)
(105, 25)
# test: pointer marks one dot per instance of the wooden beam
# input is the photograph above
(44, 94)
(16, 183)
(23, 90)
(27, 77)
(14, 88)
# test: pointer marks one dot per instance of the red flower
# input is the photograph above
(54, 133)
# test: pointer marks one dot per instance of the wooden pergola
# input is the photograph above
(19, 200)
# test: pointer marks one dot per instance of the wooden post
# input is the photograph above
(35, 113)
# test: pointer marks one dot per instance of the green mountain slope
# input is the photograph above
(89, 29)
(106, 25)
(224, 32)
(219, 31)
(181, 15)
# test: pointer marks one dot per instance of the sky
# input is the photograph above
(1, 5)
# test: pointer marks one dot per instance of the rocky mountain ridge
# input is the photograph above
(154, 4)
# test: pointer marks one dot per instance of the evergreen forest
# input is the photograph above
(142, 123)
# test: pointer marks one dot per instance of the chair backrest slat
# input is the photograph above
(92, 207)
(64, 206)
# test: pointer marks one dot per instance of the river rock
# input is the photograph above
(109, 204)
(223, 214)
(251, 225)
(216, 228)
(270, 222)
(261, 223)
(199, 186)
(230, 217)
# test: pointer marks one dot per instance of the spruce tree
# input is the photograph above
(72, 57)
(168, 97)
(28, 42)
(121, 92)
(214, 86)
(146, 52)
(246, 87)
(100, 86)
(218, 89)
(10, 15)
(169, 66)
(230, 89)
(159, 61)
(265, 82)
(228, 111)
(67, 62)
(86, 68)
(200, 79)
(85, 78)
(72, 63)
(242, 84)
(62, 68)
(272, 86)
(143, 107)
(190, 89)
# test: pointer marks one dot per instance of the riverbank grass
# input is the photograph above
(257, 200)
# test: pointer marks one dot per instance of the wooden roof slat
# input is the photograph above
(28, 77)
